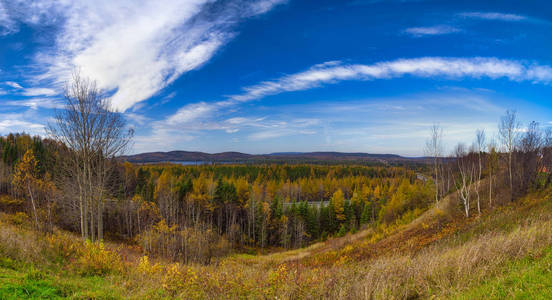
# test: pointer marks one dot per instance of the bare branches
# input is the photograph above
(508, 131)
(479, 147)
(94, 134)
(434, 149)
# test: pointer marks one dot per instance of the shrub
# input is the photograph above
(146, 268)
(179, 279)
(97, 260)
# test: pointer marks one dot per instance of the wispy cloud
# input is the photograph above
(135, 48)
(190, 113)
(136, 119)
(195, 117)
(14, 122)
(333, 72)
(494, 16)
(276, 133)
(431, 30)
(35, 103)
(286, 128)
(13, 84)
(7, 25)
(39, 92)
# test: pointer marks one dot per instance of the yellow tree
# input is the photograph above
(338, 203)
(25, 180)
(165, 196)
(242, 189)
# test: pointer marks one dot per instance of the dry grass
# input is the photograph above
(17, 241)
(438, 270)
(438, 254)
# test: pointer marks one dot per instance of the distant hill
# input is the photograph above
(188, 156)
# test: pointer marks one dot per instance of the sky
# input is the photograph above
(263, 76)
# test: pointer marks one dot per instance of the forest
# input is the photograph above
(194, 212)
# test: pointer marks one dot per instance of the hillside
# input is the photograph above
(504, 253)
(187, 156)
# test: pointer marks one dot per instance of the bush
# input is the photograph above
(146, 268)
(179, 279)
(97, 260)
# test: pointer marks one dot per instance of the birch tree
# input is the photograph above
(466, 172)
(434, 149)
(479, 147)
(508, 130)
(492, 167)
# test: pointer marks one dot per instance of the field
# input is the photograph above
(502, 254)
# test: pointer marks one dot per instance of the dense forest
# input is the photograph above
(195, 212)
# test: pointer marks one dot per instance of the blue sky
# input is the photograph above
(273, 75)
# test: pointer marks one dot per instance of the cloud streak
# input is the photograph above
(452, 68)
(30, 92)
(13, 84)
(494, 16)
(35, 103)
(431, 30)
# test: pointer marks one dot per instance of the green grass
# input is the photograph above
(18, 281)
(528, 278)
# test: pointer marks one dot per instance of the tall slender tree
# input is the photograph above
(434, 149)
(479, 147)
(508, 130)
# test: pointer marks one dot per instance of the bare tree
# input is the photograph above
(95, 134)
(547, 150)
(530, 146)
(508, 130)
(479, 147)
(492, 166)
(434, 149)
(466, 171)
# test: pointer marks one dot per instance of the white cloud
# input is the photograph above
(35, 103)
(30, 92)
(12, 123)
(269, 134)
(190, 113)
(136, 118)
(494, 16)
(13, 84)
(455, 68)
(432, 30)
(135, 48)
(7, 25)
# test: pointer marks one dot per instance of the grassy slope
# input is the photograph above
(24, 281)
(505, 253)
(527, 278)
